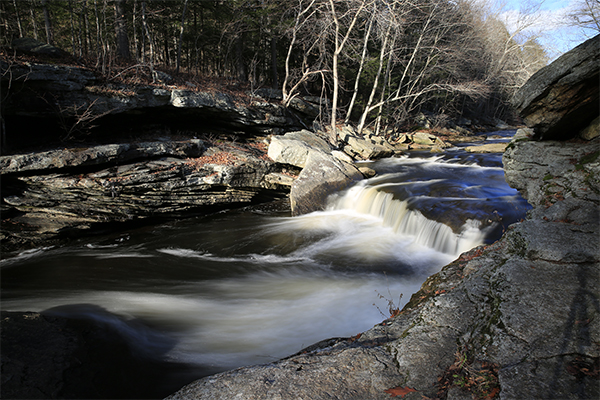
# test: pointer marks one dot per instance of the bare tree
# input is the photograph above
(586, 16)
(299, 34)
(185, 2)
(121, 30)
(48, 23)
(18, 18)
(350, 11)
(363, 58)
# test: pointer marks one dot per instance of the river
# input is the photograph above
(254, 285)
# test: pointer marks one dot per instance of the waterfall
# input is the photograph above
(394, 213)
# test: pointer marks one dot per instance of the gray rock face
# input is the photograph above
(516, 319)
(562, 99)
(553, 171)
(61, 101)
(293, 147)
(323, 175)
(56, 197)
(97, 155)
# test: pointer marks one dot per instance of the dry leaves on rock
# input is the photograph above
(400, 391)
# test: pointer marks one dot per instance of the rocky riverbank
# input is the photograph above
(516, 319)
(82, 155)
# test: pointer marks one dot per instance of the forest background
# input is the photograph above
(370, 63)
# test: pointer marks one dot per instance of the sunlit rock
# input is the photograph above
(562, 99)
(323, 175)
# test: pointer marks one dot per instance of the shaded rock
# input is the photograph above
(275, 180)
(56, 78)
(305, 107)
(592, 130)
(46, 356)
(561, 99)
(35, 47)
(48, 103)
(323, 175)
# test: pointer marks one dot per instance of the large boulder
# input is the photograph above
(293, 147)
(561, 99)
(323, 175)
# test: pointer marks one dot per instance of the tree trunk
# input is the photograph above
(86, 29)
(363, 58)
(242, 72)
(18, 18)
(33, 22)
(121, 31)
(274, 76)
(48, 22)
(70, 5)
(181, 35)
(149, 37)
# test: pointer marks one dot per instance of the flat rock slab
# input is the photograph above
(487, 148)
(98, 155)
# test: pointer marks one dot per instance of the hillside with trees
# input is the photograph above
(373, 63)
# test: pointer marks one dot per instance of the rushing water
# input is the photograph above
(254, 285)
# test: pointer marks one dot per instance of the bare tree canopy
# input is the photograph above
(373, 63)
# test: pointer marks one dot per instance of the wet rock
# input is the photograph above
(323, 175)
(562, 99)
(367, 172)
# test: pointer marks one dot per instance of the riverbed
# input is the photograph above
(254, 285)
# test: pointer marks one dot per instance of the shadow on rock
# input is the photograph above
(83, 352)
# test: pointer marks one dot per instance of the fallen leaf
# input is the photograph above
(400, 391)
(493, 393)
